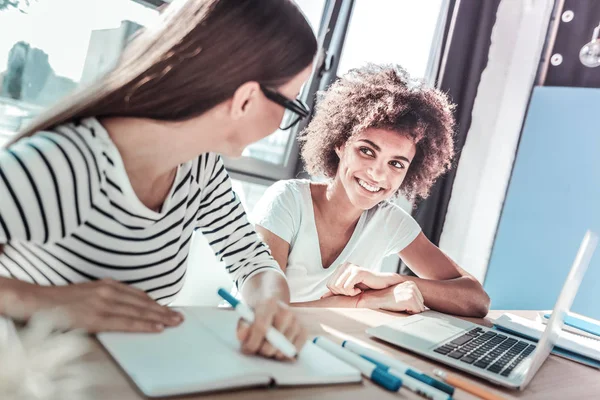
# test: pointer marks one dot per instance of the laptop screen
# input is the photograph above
(530, 367)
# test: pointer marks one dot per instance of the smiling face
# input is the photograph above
(373, 165)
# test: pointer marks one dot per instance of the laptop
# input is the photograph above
(498, 357)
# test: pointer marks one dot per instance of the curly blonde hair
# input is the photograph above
(385, 97)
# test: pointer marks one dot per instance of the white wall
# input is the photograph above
(203, 277)
(487, 157)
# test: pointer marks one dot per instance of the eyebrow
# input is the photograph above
(379, 149)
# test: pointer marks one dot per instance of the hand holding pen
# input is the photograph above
(271, 329)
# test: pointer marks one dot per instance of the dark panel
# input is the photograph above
(570, 37)
(467, 58)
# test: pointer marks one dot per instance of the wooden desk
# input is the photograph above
(557, 379)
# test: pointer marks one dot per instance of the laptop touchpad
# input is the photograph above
(431, 329)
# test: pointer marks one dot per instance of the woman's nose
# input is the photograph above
(376, 172)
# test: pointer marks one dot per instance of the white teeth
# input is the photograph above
(368, 187)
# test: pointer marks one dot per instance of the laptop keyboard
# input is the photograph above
(487, 350)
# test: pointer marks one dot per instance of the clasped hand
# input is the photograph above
(377, 291)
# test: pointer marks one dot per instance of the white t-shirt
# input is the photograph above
(286, 209)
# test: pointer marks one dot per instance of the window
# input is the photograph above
(52, 47)
(403, 32)
(249, 193)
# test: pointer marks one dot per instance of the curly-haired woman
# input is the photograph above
(376, 134)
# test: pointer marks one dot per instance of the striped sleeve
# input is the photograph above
(45, 188)
(223, 221)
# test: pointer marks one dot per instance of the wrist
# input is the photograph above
(18, 299)
(394, 279)
(265, 286)
(361, 300)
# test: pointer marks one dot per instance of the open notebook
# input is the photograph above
(202, 354)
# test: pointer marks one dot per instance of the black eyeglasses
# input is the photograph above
(297, 108)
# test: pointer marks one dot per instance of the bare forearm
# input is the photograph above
(266, 285)
(13, 295)
(331, 302)
(6, 294)
(460, 296)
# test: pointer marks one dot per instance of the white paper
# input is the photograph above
(567, 340)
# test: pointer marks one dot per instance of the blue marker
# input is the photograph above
(276, 338)
(367, 368)
(412, 384)
(398, 366)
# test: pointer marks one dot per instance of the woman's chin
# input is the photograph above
(363, 203)
(234, 151)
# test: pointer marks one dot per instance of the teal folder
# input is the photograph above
(581, 324)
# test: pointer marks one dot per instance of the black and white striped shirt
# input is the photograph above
(68, 214)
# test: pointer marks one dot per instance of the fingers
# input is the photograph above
(125, 288)
(328, 294)
(112, 306)
(243, 329)
(408, 298)
(285, 323)
(418, 303)
(152, 310)
(344, 286)
(263, 319)
(414, 306)
(136, 303)
(352, 280)
(419, 294)
(345, 280)
(282, 322)
(141, 312)
(278, 316)
(331, 283)
(119, 323)
(299, 337)
(336, 285)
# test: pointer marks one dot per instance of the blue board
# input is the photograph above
(552, 199)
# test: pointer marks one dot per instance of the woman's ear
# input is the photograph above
(338, 151)
(243, 99)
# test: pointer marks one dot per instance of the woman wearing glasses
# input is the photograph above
(376, 134)
(99, 198)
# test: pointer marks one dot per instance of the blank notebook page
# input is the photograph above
(313, 366)
(202, 354)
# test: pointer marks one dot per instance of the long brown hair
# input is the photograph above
(195, 57)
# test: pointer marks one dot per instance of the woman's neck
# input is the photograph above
(334, 206)
(153, 149)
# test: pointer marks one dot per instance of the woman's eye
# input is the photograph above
(397, 164)
(367, 151)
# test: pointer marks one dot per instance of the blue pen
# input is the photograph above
(398, 366)
(412, 384)
(273, 336)
(367, 368)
